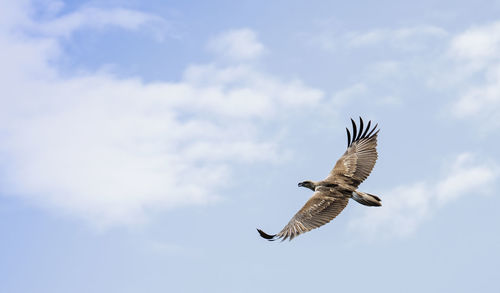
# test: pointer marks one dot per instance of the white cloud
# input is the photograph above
(411, 38)
(475, 73)
(481, 99)
(475, 56)
(477, 43)
(464, 67)
(405, 207)
(465, 177)
(109, 150)
(346, 95)
(94, 18)
(239, 44)
(401, 37)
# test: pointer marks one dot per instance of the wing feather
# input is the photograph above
(358, 161)
(354, 131)
(320, 209)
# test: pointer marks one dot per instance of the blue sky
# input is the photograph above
(143, 142)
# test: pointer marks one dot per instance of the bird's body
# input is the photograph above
(332, 194)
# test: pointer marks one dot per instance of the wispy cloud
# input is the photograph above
(465, 176)
(464, 67)
(95, 18)
(406, 37)
(44, 18)
(411, 38)
(393, 59)
(238, 44)
(109, 150)
(479, 43)
(348, 94)
(406, 207)
(476, 61)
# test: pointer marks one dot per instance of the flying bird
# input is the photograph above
(332, 194)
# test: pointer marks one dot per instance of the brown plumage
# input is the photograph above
(332, 194)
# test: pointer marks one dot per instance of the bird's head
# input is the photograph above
(308, 184)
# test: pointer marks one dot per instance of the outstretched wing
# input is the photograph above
(320, 209)
(357, 162)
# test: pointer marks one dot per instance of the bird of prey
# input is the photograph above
(331, 195)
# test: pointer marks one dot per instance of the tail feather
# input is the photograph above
(366, 199)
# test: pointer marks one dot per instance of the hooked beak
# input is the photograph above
(300, 184)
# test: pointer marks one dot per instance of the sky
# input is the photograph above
(143, 142)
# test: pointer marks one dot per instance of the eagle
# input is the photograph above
(332, 194)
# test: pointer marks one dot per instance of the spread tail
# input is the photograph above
(366, 199)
